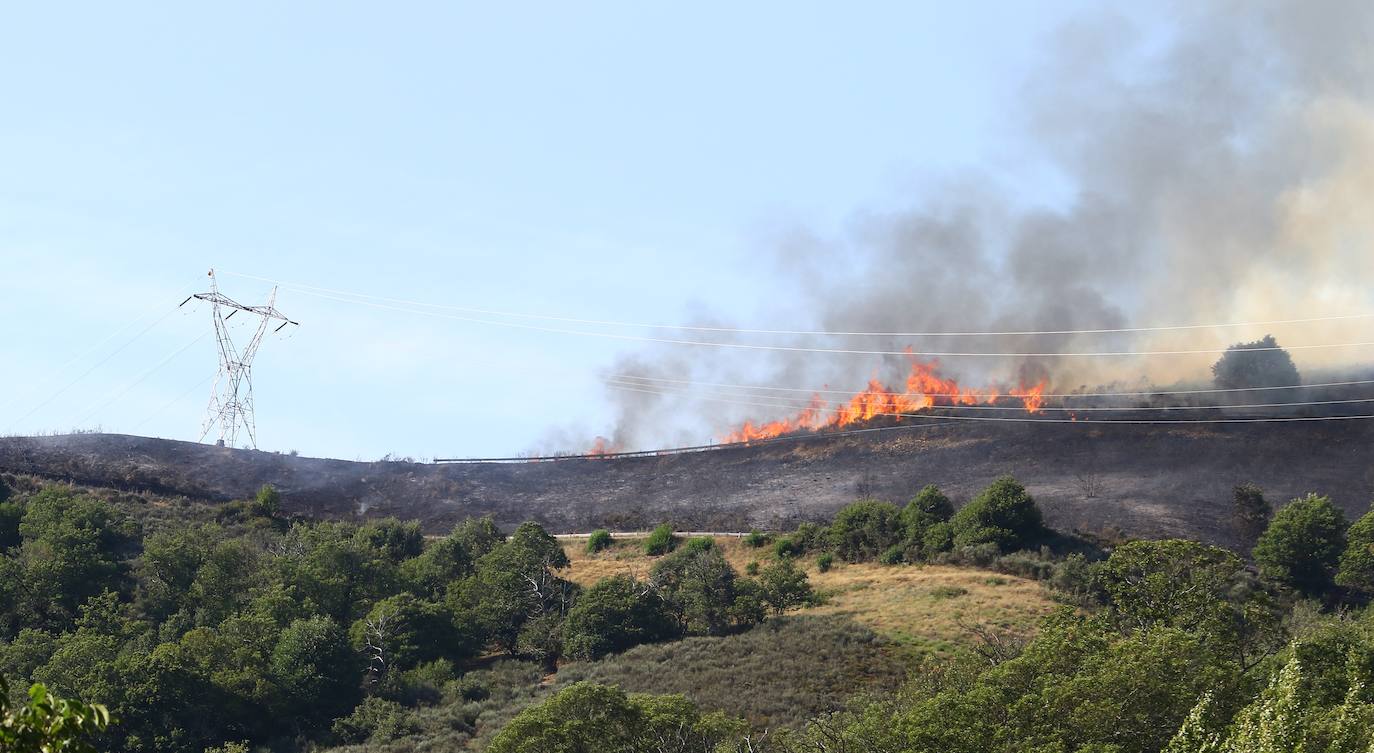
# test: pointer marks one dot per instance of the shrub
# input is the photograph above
(267, 503)
(752, 568)
(375, 720)
(757, 539)
(1357, 561)
(599, 540)
(613, 615)
(824, 562)
(699, 544)
(928, 508)
(948, 592)
(1255, 364)
(784, 586)
(1250, 512)
(1302, 545)
(938, 538)
(1002, 514)
(892, 555)
(862, 530)
(788, 546)
(661, 541)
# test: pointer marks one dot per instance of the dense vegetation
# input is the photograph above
(244, 629)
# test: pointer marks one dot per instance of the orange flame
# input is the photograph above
(925, 389)
(602, 446)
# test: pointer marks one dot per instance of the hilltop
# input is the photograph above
(1145, 480)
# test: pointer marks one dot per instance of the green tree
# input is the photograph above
(515, 583)
(1303, 544)
(316, 671)
(1003, 514)
(661, 540)
(1356, 566)
(402, 631)
(784, 586)
(1250, 511)
(928, 509)
(599, 540)
(862, 530)
(1202, 589)
(701, 590)
(442, 563)
(589, 718)
(1255, 364)
(74, 547)
(613, 615)
(48, 724)
(267, 502)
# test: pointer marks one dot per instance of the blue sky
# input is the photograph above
(625, 161)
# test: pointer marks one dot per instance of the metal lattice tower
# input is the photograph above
(231, 398)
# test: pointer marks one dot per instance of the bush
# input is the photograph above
(862, 530)
(928, 508)
(1002, 514)
(757, 539)
(892, 555)
(788, 546)
(1302, 545)
(752, 568)
(613, 615)
(661, 541)
(1255, 364)
(824, 562)
(784, 587)
(375, 720)
(938, 538)
(1357, 561)
(599, 540)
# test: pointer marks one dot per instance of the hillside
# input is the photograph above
(1145, 480)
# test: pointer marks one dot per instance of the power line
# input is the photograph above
(801, 403)
(87, 372)
(129, 387)
(299, 287)
(1032, 420)
(1043, 394)
(833, 351)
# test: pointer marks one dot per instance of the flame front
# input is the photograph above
(925, 389)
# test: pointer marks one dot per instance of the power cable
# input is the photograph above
(633, 377)
(302, 288)
(835, 351)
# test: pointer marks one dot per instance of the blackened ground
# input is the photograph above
(1145, 480)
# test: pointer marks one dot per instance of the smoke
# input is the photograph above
(1221, 175)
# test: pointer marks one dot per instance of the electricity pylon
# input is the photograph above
(231, 399)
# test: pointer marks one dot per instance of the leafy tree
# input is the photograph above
(396, 540)
(1202, 589)
(316, 671)
(48, 724)
(73, 548)
(784, 586)
(515, 583)
(1356, 569)
(442, 562)
(1003, 514)
(267, 502)
(661, 540)
(168, 567)
(1302, 545)
(862, 530)
(700, 589)
(928, 508)
(11, 513)
(402, 631)
(1250, 511)
(599, 540)
(224, 580)
(613, 615)
(589, 718)
(1255, 364)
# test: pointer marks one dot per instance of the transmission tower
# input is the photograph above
(231, 399)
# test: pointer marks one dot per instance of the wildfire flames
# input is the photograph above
(925, 388)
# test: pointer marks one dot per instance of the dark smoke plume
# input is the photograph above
(1223, 176)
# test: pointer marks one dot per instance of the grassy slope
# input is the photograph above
(925, 608)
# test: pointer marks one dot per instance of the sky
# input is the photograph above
(625, 161)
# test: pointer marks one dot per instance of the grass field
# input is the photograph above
(923, 608)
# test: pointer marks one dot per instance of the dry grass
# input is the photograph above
(924, 608)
